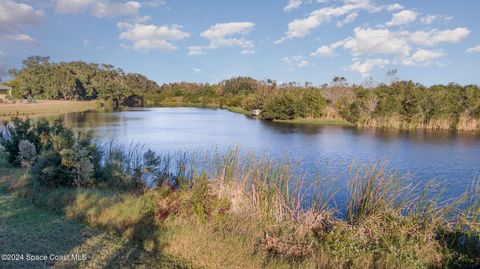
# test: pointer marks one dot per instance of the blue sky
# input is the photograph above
(429, 41)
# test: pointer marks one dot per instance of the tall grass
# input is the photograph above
(240, 198)
(279, 190)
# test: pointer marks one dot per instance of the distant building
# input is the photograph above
(5, 92)
(256, 112)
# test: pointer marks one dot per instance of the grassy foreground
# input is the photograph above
(29, 229)
(216, 226)
(45, 107)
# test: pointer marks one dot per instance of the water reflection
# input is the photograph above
(448, 157)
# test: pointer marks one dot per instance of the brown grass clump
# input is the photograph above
(276, 246)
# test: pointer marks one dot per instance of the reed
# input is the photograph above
(257, 212)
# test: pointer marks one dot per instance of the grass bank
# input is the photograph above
(221, 224)
(239, 110)
(181, 104)
(45, 107)
(30, 227)
(321, 121)
(235, 109)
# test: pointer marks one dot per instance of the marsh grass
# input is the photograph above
(240, 210)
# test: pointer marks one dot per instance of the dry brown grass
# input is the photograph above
(45, 107)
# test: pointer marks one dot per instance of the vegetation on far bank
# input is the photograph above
(398, 104)
(112, 87)
(394, 104)
(240, 211)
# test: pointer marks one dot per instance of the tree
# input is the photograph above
(281, 107)
(312, 103)
(391, 76)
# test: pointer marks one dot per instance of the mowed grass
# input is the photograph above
(45, 107)
(29, 229)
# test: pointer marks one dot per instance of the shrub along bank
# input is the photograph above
(246, 212)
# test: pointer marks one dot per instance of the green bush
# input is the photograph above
(312, 103)
(282, 107)
(15, 131)
(48, 170)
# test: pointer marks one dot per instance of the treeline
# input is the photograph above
(398, 104)
(41, 79)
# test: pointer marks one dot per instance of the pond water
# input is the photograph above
(448, 157)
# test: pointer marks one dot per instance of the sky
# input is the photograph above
(428, 41)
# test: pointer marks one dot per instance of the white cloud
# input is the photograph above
(394, 7)
(292, 4)
(195, 50)
(403, 17)
(428, 19)
(348, 19)
(376, 41)
(196, 70)
(475, 49)
(98, 8)
(301, 27)
(303, 63)
(14, 16)
(423, 57)
(247, 52)
(323, 51)
(397, 45)
(365, 67)
(293, 59)
(73, 6)
(148, 37)
(435, 37)
(22, 38)
(297, 61)
(155, 3)
(326, 51)
(220, 35)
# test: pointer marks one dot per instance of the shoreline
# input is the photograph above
(239, 110)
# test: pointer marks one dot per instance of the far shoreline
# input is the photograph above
(239, 110)
(45, 108)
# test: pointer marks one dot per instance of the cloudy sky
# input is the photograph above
(429, 41)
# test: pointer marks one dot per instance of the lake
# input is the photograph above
(448, 157)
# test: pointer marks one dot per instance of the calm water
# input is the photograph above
(448, 157)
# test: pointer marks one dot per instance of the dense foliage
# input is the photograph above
(399, 104)
(39, 78)
(56, 156)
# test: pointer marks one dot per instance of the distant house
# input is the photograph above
(5, 92)
(256, 112)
